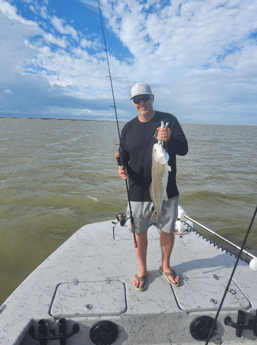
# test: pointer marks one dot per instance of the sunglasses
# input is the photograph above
(145, 98)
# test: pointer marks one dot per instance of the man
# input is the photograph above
(137, 139)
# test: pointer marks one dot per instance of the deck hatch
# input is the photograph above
(94, 298)
(206, 294)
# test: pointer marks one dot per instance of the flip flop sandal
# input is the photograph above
(140, 279)
(173, 274)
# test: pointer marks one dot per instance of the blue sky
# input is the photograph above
(199, 56)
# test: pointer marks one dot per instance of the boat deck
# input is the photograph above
(89, 278)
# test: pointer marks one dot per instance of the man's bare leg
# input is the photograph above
(141, 256)
(167, 242)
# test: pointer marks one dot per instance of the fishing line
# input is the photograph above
(118, 128)
(230, 279)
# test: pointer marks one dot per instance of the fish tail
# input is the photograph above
(155, 218)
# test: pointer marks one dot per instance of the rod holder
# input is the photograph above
(42, 332)
(62, 331)
(240, 324)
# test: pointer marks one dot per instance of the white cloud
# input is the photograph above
(8, 91)
(198, 56)
(43, 12)
(32, 8)
(92, 4)
(172, 46)
(12, 43)
(82, 73)
(64, 29)
(84, 43)
(60, 42)
(11, 13)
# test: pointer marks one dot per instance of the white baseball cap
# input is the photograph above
(140, 89)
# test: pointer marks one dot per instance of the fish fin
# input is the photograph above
(155, 218)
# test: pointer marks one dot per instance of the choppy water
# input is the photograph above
(56, 176)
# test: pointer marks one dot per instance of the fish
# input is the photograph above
(160, 173)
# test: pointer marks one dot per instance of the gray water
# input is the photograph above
(58, 175)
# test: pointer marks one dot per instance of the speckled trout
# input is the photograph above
(160, 172)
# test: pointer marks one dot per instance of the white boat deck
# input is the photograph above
(89, 278)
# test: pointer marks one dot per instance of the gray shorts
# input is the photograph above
(142, 212)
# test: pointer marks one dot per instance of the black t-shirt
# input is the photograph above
(137, 140)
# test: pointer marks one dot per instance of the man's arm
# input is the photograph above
(178, 139)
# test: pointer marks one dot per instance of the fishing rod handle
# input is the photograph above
(117, 156)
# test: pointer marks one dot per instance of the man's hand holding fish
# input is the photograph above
(163, 134)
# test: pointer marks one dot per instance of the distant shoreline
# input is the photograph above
(185, 123)
(48, 118)
(41, 118)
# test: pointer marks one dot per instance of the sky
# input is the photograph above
(198, 56)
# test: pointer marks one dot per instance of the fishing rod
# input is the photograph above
(230, 279)
(118, 128)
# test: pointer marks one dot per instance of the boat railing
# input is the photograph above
(222, 242)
